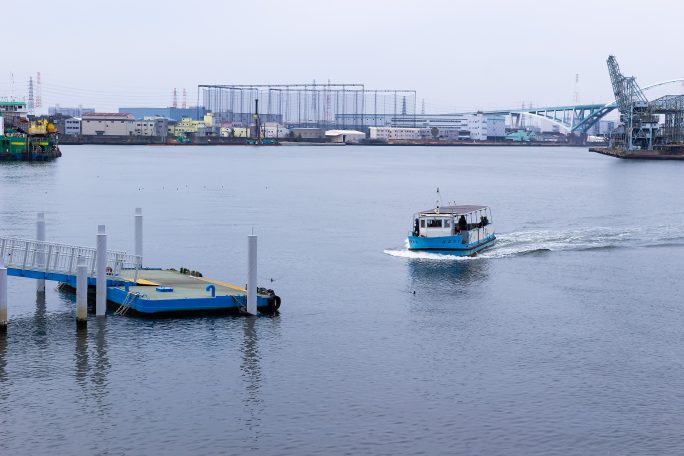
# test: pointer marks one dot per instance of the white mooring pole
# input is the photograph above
(40, 257)
(101, 272)
(3, 298)
(81, 293)
(139, 233)
(252, 274)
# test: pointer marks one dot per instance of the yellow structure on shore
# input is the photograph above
(241, 132)
(187, 125)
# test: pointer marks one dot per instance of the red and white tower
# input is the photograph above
(39, 92)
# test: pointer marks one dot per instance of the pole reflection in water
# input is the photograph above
(81, 357)
(40, 319)
(3, 362)
(251, 374)
(102, 365)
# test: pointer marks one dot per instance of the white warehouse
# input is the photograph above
(72, 126)
(393, 133)
(107, 124)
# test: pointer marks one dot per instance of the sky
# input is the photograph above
(458, 56)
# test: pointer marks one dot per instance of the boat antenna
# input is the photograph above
(439, 201)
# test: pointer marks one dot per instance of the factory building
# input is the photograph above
(107, 124)
(440, 126)
(274, 130)
(345, 136)
(188, 125)
(496, 128)
(151, 126)
(307, 133)
(119, 124)
(393, 133)
(483, 127)
(477, 126)
(72, 126)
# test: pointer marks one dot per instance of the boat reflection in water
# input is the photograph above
(430, 277)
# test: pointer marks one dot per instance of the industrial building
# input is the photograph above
(121, 124)
(170, 113)
(72, 126)
(393, 133)
(187, 125)
(151, 126)
(345, 136)
(307, 133)
(274, 130)
(486, 128)
(448, 125)
(479, 126)
(106, 124)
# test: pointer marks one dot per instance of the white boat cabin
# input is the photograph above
(453, 221)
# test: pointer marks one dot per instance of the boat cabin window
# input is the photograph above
(422, 223)
(447, 223)
(434, 223)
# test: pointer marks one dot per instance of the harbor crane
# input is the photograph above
(640, 117)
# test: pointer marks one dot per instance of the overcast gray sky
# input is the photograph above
(457, 55)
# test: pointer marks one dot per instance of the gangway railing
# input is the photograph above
(51, 257)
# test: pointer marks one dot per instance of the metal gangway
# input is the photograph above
(54, 261)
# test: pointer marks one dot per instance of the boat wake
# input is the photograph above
(540, 241)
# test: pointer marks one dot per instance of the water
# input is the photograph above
(566, 338)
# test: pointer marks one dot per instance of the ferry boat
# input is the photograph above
(454, 230)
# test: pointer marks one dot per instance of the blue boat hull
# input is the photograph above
(452, 245)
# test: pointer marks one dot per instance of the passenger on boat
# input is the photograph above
(462, 224)
(483, 221)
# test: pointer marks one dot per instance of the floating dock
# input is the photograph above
(157, 291)
(638, 154)
(119, 280)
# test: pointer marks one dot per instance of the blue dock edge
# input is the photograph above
(144, 305)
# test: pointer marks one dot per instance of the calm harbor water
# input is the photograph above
(566, 338)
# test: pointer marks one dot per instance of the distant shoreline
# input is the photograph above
(220, 141)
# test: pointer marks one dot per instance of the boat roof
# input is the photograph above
(454, 210)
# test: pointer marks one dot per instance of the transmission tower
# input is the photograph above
(39, 91)
(185, 99)
(175, 98)
(575, 99)
(31, 102)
